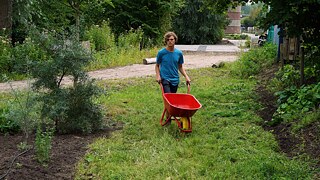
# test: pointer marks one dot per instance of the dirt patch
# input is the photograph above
(65, 153)
(192, 60)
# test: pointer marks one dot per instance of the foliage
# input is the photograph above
(25, 55)
(23, 111)
(255, 14)
(124, 50)
(43, 144)
(101, 37)
(72, 108)
(153, 17)
(226, 142)
(294, 103)
(253, 61)
(285, 78)
(297, 18)
(131, 39)
(5, 56)
(195, 26)
(7, 125)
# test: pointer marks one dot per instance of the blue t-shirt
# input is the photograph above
(169, 65)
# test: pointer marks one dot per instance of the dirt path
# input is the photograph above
(139, 70)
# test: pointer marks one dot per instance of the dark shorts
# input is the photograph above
(168, 87)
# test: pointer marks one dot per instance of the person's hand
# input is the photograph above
(188, 80)
(158, 80)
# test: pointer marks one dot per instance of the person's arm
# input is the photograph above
(157, 68)
(183, 72)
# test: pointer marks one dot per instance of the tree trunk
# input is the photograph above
(302, 81)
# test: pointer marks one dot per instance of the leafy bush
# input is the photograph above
(101, 37)
(294, 103)
(131, 39)
(7, 125)
(43, 144)
(285, 78)
(253, 61)
(24, 56)
(24, 111)
(71, 108)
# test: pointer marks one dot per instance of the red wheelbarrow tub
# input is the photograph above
(181, 105)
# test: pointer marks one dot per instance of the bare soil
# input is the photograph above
(192, 60)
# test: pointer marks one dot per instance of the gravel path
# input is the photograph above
(139, 70)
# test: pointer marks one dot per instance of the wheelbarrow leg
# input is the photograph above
(168, 118)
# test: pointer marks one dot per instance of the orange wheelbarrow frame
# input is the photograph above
(179, 105)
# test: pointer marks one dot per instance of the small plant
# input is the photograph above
(43, 144)
(7, 125)
(23, 146)
(294, 103)
(285, 78)
(23, 111)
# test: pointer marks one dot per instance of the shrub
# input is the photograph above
(43, 144)
(285, 78)
(101, 37)
(24, 56)
(253, 61)
(23, 111)
(131, 39)
(71, 108)
(294, 103)
(7, 125)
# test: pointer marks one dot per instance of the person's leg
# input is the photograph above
(173, 89)
(166, 86)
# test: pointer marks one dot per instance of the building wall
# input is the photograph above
(235, 25)
(5, 13)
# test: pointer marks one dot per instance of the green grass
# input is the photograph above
(226, 142)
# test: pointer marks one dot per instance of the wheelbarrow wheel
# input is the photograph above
(185, 125)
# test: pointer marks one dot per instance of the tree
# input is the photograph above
(153, 16)
(199, 26)
(255, 14)
(62, 14)
(71, 108)
(296, 17)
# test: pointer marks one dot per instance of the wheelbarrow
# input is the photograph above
(180, 108)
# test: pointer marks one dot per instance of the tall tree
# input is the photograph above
(153, 16)
(199, 26)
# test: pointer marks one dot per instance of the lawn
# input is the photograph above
(226, 142)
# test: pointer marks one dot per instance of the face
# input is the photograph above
(171, 41)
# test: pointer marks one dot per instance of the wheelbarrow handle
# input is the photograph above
(162, 90)
(188, 85)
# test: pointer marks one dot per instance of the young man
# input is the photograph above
(169, 61)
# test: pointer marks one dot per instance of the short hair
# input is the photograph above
(168, 35)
